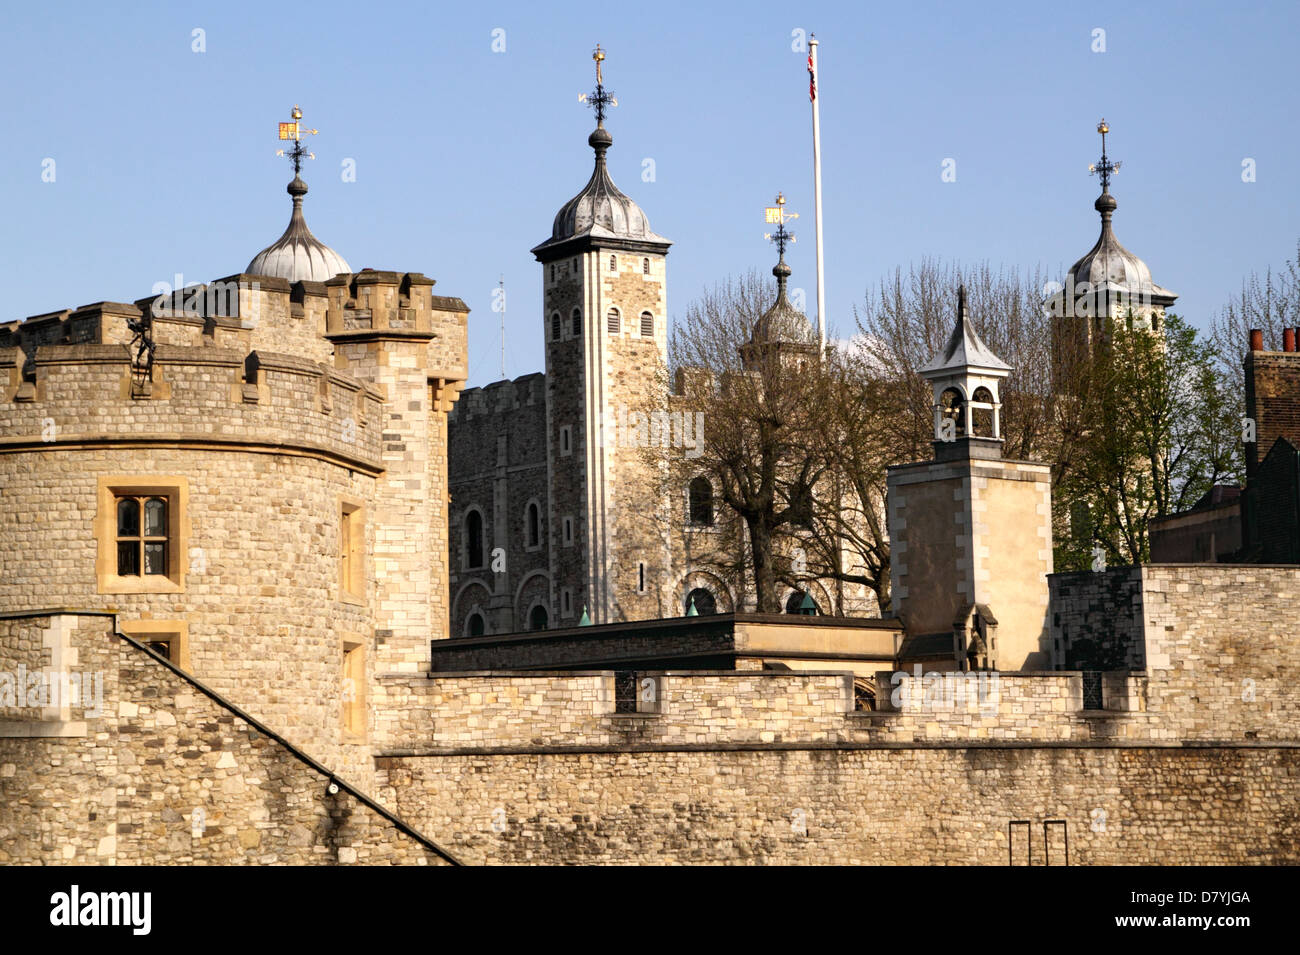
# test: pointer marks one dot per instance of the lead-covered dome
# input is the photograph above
(1109, 267)
(298, 255)
(601, 210)
(782, 323)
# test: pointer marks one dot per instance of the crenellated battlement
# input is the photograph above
(501, 397)
(74, 394)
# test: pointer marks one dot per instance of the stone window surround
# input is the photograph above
(541, 530)
(352, 524)
(464, 538)
(567, 537)
(352, 711)
(713, 499)
(175, 632)
(476, 610)
(566, 602)
(176, 490)
(566, 440)
(528, 617)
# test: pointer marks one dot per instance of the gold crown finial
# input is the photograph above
(1103, 127)
(776, 214)
(599, 56)
(293, 130)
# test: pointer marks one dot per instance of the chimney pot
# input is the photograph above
(1288, 339)
(1256, 339)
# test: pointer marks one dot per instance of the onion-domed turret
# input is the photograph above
(782, 326)
(298, 255)
(600, 212)
(1109, 279)
(782, 323)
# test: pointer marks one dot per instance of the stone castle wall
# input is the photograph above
(165, 772)
(1097, 619)
(497, 465)
(265, 449)
(917, 805)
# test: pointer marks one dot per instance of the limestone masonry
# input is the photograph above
(249, 611)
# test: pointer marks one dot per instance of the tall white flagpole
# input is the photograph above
(817, 185)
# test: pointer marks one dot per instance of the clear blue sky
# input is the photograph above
(165, 157)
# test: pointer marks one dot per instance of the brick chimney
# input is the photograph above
(1272, 394)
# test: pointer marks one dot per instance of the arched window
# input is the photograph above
(647, 324)
(645, 266)
(474, 626)
(613, 263)
(952, 407)
(577, 322)
(701, 501)
(703, 600)
(532, 525)
(537, 618)
(801, 602)
(982, 418)
(474, 539)
(613, 321)
(555, 326)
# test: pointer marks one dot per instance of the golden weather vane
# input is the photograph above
(1104, 167)
(777, 215)
(601, 99)
(293, 130)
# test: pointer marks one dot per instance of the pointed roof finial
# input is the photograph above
(782, 322)
(293, 130)
(599, 99)
(777, 214)
(1104, 169)
(961, 302)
